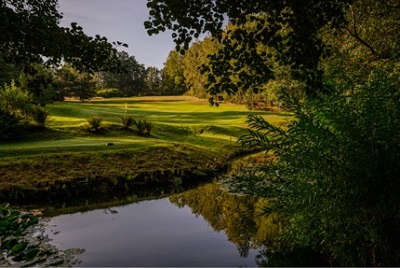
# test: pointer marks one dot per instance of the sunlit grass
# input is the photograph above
(180, 119)
(188, 135)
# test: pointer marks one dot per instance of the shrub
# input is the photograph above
(148, 127)
(10, 125)
(14, 100)
(337, 178)
(109, 93)
(143, 127)
(94, 124)
(127, 121)
(39, 116)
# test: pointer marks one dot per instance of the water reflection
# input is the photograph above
(160, 232)
(204, 226)
(239, 216)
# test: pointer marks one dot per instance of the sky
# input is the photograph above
(120, 20)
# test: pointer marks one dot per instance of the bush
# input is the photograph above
(39, 116)
(127, 121)
(109, 93)
(143, 127)
(94, 124)
(14, 100)
(10, 125)
(337, 178)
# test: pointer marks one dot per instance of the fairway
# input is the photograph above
(180, 119)
(189, 139)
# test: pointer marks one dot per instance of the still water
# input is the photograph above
(204, 226)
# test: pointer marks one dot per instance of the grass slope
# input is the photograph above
(189, 137)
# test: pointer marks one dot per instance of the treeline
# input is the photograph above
(47, 84)
(370, 41)
(25, 91)
(191, 73)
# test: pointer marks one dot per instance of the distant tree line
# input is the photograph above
(42, 62)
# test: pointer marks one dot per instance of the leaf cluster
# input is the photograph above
(301, 47)
(338, 170)
(31, 32)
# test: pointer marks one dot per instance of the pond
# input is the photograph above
(204, 226)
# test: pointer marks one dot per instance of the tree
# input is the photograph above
(75, 83)
(8, 72)
(30, 32)
(335, 181)
(195, 57)
(40, 83)
(130, 81)
(172, 75)
(300, 46)
(153, 81)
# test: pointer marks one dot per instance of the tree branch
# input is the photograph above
(358, 38)
(384, 2)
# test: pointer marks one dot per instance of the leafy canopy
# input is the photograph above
(300, 46)
(30, 33)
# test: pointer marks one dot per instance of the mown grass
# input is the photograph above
(188, 134)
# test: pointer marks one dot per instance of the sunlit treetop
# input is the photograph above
(190, 18)
(300, 47)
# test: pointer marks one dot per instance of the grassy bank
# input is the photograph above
(189, 140)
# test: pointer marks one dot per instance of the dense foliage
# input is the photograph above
(30, 32)
(74, 83)
(18, 111)
(337, 176)
(335, 181)
(23, 246)
(172, 75)
(130, 82)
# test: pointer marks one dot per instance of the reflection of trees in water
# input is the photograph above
(237, 215)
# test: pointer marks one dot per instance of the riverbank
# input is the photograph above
(189, 140)
(61, 175)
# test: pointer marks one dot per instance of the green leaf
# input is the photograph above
(5, 223)
(19, 247)
(32, 253)
(10, 243)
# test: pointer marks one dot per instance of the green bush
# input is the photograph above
(127, 121)
(39, 115)
(94, 124)
(143, 127)
(14, 100)
(337, 179)
(109, 93)
(10, 125)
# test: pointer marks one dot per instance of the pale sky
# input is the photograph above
(120, 20)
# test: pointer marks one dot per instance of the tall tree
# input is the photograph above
(40, 83)
(300, 46)
(172, 75)
(131, 80)
(335, 183)
(195, 57)
(153, 81)
(75, 83)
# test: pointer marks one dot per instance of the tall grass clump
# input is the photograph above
(143, 127)
(127, 121)
(94, 124)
